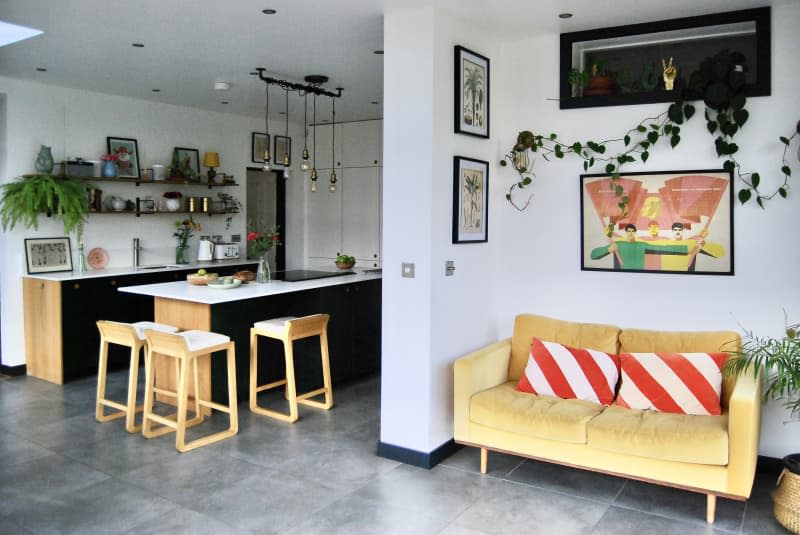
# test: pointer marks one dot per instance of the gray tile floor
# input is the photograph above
(62, 472)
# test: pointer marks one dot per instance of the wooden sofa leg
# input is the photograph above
(711, 508)
(484, 460)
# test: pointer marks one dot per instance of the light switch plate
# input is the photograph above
(408, 270)
(449, 268)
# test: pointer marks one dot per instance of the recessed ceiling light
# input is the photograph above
(222, 86)
(156, 90)
(565, 15)
(374, 102)
(325, 120)
(268, 11)
(225, 102)
(378, 52)
(11, 33)
(137, 45)
(41, 69)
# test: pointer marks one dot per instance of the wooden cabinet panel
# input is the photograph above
(361, 143)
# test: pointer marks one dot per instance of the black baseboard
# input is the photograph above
(13, 370)
(769, 465)
(418, 458)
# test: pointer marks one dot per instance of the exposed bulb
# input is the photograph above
(332, 188)
(286, 160)
(305, 165)
(314, 185)
(286, 172)
(267, 163)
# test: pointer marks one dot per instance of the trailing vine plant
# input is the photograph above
(719, 82)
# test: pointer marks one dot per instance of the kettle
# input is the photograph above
(206, 251)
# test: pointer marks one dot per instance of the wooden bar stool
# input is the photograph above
(287, 330)
(186, 347)
(130, 335)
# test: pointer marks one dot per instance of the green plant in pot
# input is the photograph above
(779, 361)
(25, 199)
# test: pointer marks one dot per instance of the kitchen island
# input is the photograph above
(352, 300)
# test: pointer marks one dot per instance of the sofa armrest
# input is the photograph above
(744, 429)
(472, 373)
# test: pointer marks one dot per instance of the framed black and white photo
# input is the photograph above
(470, 200)
(46, 255)
(259, 143)
(471, 93)
(658, 222)
(283, 146)
(127, 151)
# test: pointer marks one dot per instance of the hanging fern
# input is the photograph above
(23, 200)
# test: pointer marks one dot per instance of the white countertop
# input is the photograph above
(130, 270)
(183, 291)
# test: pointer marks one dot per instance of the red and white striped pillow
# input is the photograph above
(570, 373)
(684, 383)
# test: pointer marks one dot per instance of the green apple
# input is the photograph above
(201, 271)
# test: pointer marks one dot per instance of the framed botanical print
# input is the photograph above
(470, 200)
(186, 164)
(46, 255)
(283, 146)
(127, 151)
(259, 143)
(658, 222)
(471, 93)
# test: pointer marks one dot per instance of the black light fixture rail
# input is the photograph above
(313, 86)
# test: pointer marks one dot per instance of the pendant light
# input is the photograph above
(332, 187)
(305, 165)
(267, 162)
(286, 169)
(314, 161)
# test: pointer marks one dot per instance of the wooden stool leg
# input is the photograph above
(183, 401)
(133, 383)
(147, 424)
(233, 402)
(253, 368)
(326, 371)
(99, 411)
(291, 387)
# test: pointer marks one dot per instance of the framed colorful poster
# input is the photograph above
(470, 200)
(471, 93)
(186, 164)
(46, 255)
(127, 151)
(660, 222)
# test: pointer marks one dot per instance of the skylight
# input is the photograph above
(11, 33)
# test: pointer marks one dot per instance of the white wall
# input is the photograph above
(540, 248)
(76, 123)
(429, 320)
(532, 260)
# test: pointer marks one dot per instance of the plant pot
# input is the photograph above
(172, 205)
(786, 497)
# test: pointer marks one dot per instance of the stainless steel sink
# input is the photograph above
(152, 267)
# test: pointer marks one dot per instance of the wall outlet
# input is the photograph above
(408, 270)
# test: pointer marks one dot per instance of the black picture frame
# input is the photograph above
(687, 40)
(471, 99)
(283, 145)
(127, 151)
(48, 255)
(188, 161)
(259, 141)
(470, 200)
(675, 222)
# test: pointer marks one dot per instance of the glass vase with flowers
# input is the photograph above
(184, 229)
(261, 242)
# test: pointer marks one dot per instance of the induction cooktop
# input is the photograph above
(295, 275)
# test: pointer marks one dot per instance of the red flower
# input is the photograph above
(253, 236)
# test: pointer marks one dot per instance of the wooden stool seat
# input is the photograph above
(130, 335)
(288, 329)
(186, 347)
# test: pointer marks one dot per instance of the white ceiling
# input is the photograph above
(190, 44)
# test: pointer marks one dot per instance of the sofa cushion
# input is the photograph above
(661, 435)
(687, 383)
(570, 373)
(503, 407)
(571, 333)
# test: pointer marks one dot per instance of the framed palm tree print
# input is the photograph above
(470, 200)
(471, 93)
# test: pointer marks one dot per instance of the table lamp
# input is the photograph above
(211, 160)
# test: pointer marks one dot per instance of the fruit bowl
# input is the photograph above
(345, 265)
(201, 280)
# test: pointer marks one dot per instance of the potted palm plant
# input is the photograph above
(779, 360)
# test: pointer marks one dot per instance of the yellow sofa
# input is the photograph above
(714, 455)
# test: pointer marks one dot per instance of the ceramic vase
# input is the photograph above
(44, 161)
(263, 274)
(109, 169)
(172, 205)
(182, 254)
